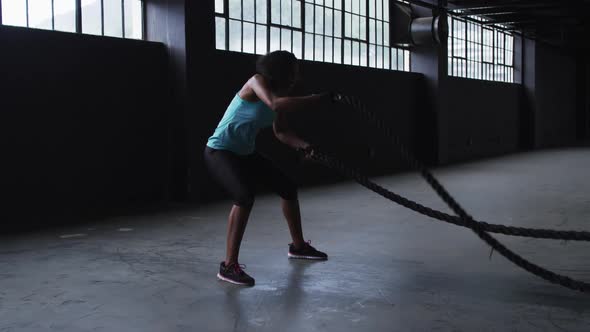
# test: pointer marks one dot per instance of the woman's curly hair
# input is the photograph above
(277, 68)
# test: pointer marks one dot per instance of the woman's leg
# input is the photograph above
(238, 219)
(293, 215)
(272, 176)
(233, 173)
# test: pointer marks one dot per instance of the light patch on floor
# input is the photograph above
(67, 236)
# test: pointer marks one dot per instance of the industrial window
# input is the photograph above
(480, 51)
(115, 18)
(352, 32)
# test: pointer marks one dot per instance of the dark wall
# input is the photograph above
(165, 23)
(482, 118)
(83, 125)
(555, 93)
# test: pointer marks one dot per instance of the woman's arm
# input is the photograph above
(284, 104)
(285, 134)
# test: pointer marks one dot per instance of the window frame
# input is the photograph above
(78, 18)
(337, 40)
(484, 69)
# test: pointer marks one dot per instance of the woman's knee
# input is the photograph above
(289, 191)
(244, 199)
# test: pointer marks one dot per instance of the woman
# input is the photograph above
(232, 160)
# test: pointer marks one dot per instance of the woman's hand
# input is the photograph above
(307, 152)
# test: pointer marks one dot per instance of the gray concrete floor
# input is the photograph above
(389, 268)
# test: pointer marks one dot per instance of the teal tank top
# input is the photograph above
(239, 126)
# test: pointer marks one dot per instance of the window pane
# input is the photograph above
(14, 12)
(248, 10)
(309, 22)
(355, 26)
(91, 17)
(261, 11)
(347, 52)
(297, 44)
(235, 35)
(235, 9)
(338, 23)
(329, 15)
(329, 50)
(337, 50)
(65, 15)
(286, 40)
(386, 57)
(248, 41)
(308, 46)
(355, 6)
(219, 6)
(363, 28)
(406, 60)
(372, 31)
(275, 9)
(275, 39)
(319, 48)
(219, 33)
(363, 54)
(113, 18)
(40, 14)
(286, 13)
(356, 54)
(133, 20)
(379, 9)
(319, 20)
(347, 25)
(372, 56)
(261, 39)
(297, 14)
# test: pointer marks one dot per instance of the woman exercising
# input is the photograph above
(232, 160)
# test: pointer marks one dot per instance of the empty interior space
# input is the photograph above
(294, 165)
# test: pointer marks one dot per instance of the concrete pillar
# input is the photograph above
(431, 61)
(166, 22)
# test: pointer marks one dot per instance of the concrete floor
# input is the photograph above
(389, 269)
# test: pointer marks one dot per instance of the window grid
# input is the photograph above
(335, 31)
(129, 25)
(479, 52)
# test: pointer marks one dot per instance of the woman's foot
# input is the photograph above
(234, 274)
(306, 252)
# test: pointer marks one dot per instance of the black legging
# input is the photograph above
(240, 175)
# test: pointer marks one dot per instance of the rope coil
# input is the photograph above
(462, 218)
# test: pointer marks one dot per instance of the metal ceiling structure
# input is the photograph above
(561, 23)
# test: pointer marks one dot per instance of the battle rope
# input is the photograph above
(464, 218)
(427, 175)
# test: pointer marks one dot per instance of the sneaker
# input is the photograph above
(308, 252)
(234, 274)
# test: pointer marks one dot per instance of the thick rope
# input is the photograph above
(441, 191)
(464, 218)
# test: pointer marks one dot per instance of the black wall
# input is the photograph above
(482, 118)
(555, 93)
(82, 123)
